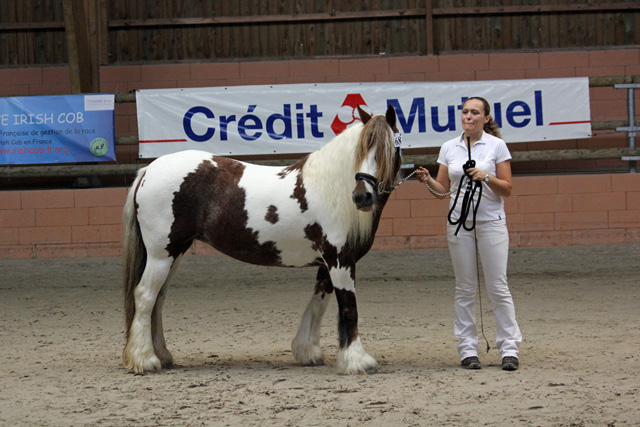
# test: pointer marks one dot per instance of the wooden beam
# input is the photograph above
(94, 41)
(610, 81)
(547, 8)
(77, 46)
(335, 15)
(428, 27)
(31, 26)
(103, 33)
(301, 17)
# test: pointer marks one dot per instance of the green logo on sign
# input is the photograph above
(99, 147)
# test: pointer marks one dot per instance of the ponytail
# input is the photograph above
(491, 127)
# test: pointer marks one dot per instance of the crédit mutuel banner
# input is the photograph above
(300, 118)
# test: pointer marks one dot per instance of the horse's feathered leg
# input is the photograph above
(157, 331)
(306, 344)
(139, 353)
(352, 357)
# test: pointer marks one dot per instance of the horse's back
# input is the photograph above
(247, 211)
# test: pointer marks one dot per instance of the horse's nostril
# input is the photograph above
(369, 198)
(363, 199)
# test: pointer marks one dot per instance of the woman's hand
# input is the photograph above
(423, 175)
(476, 174)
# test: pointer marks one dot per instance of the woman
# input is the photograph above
(489, 239)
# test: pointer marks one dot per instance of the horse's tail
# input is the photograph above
(134, 252)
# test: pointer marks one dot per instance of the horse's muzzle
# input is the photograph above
(363, 198)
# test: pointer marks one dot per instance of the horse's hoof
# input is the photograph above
(145, 365)
(308, 355)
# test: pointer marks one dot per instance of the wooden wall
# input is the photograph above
(125, 31)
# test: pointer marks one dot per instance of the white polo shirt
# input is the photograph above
(487, 152)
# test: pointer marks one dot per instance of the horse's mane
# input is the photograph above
(331, 171)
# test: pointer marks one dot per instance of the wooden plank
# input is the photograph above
(31, 26)
(284, 18)
(103, 33)
(535, 29)
(20, 37)
(78, 47)
(92, 14)
(552, 29)
(429, 28)
(29, 47)
(619, 26)
(507, 35)
(545, 8)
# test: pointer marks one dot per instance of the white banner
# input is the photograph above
(301, 118)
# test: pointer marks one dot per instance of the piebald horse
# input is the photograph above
(311, 213)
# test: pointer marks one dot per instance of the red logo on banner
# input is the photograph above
(349, 113)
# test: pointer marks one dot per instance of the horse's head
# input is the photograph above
(377, 159)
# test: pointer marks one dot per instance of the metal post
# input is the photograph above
(632, 129)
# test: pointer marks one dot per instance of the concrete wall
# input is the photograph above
(542, 211)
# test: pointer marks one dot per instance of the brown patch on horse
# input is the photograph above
(272, 215)
(315, 234)
(348, 317)
(299, 192)
(210, 206)
(324, 285)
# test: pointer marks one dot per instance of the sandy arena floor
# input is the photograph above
(229, 327)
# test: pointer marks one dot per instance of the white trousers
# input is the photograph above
(493, 248)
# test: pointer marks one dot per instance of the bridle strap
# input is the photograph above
(373, 181)
(370, 179)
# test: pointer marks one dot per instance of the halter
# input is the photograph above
(370, 179)
(373, 181)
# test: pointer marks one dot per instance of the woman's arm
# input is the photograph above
(501, 183)
(440, 185)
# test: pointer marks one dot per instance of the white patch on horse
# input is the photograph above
(354, 359)
(265, 187)
(306, 344)
(341, 279)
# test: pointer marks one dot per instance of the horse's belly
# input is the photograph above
(269, 252)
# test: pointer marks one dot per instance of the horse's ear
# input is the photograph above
(391, 116)
(364, 116)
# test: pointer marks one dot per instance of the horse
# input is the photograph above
(306, 214)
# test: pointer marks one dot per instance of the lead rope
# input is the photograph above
(381, 191)
(475, 239)
(467, 201)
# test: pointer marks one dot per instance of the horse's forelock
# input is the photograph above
(377, 132)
